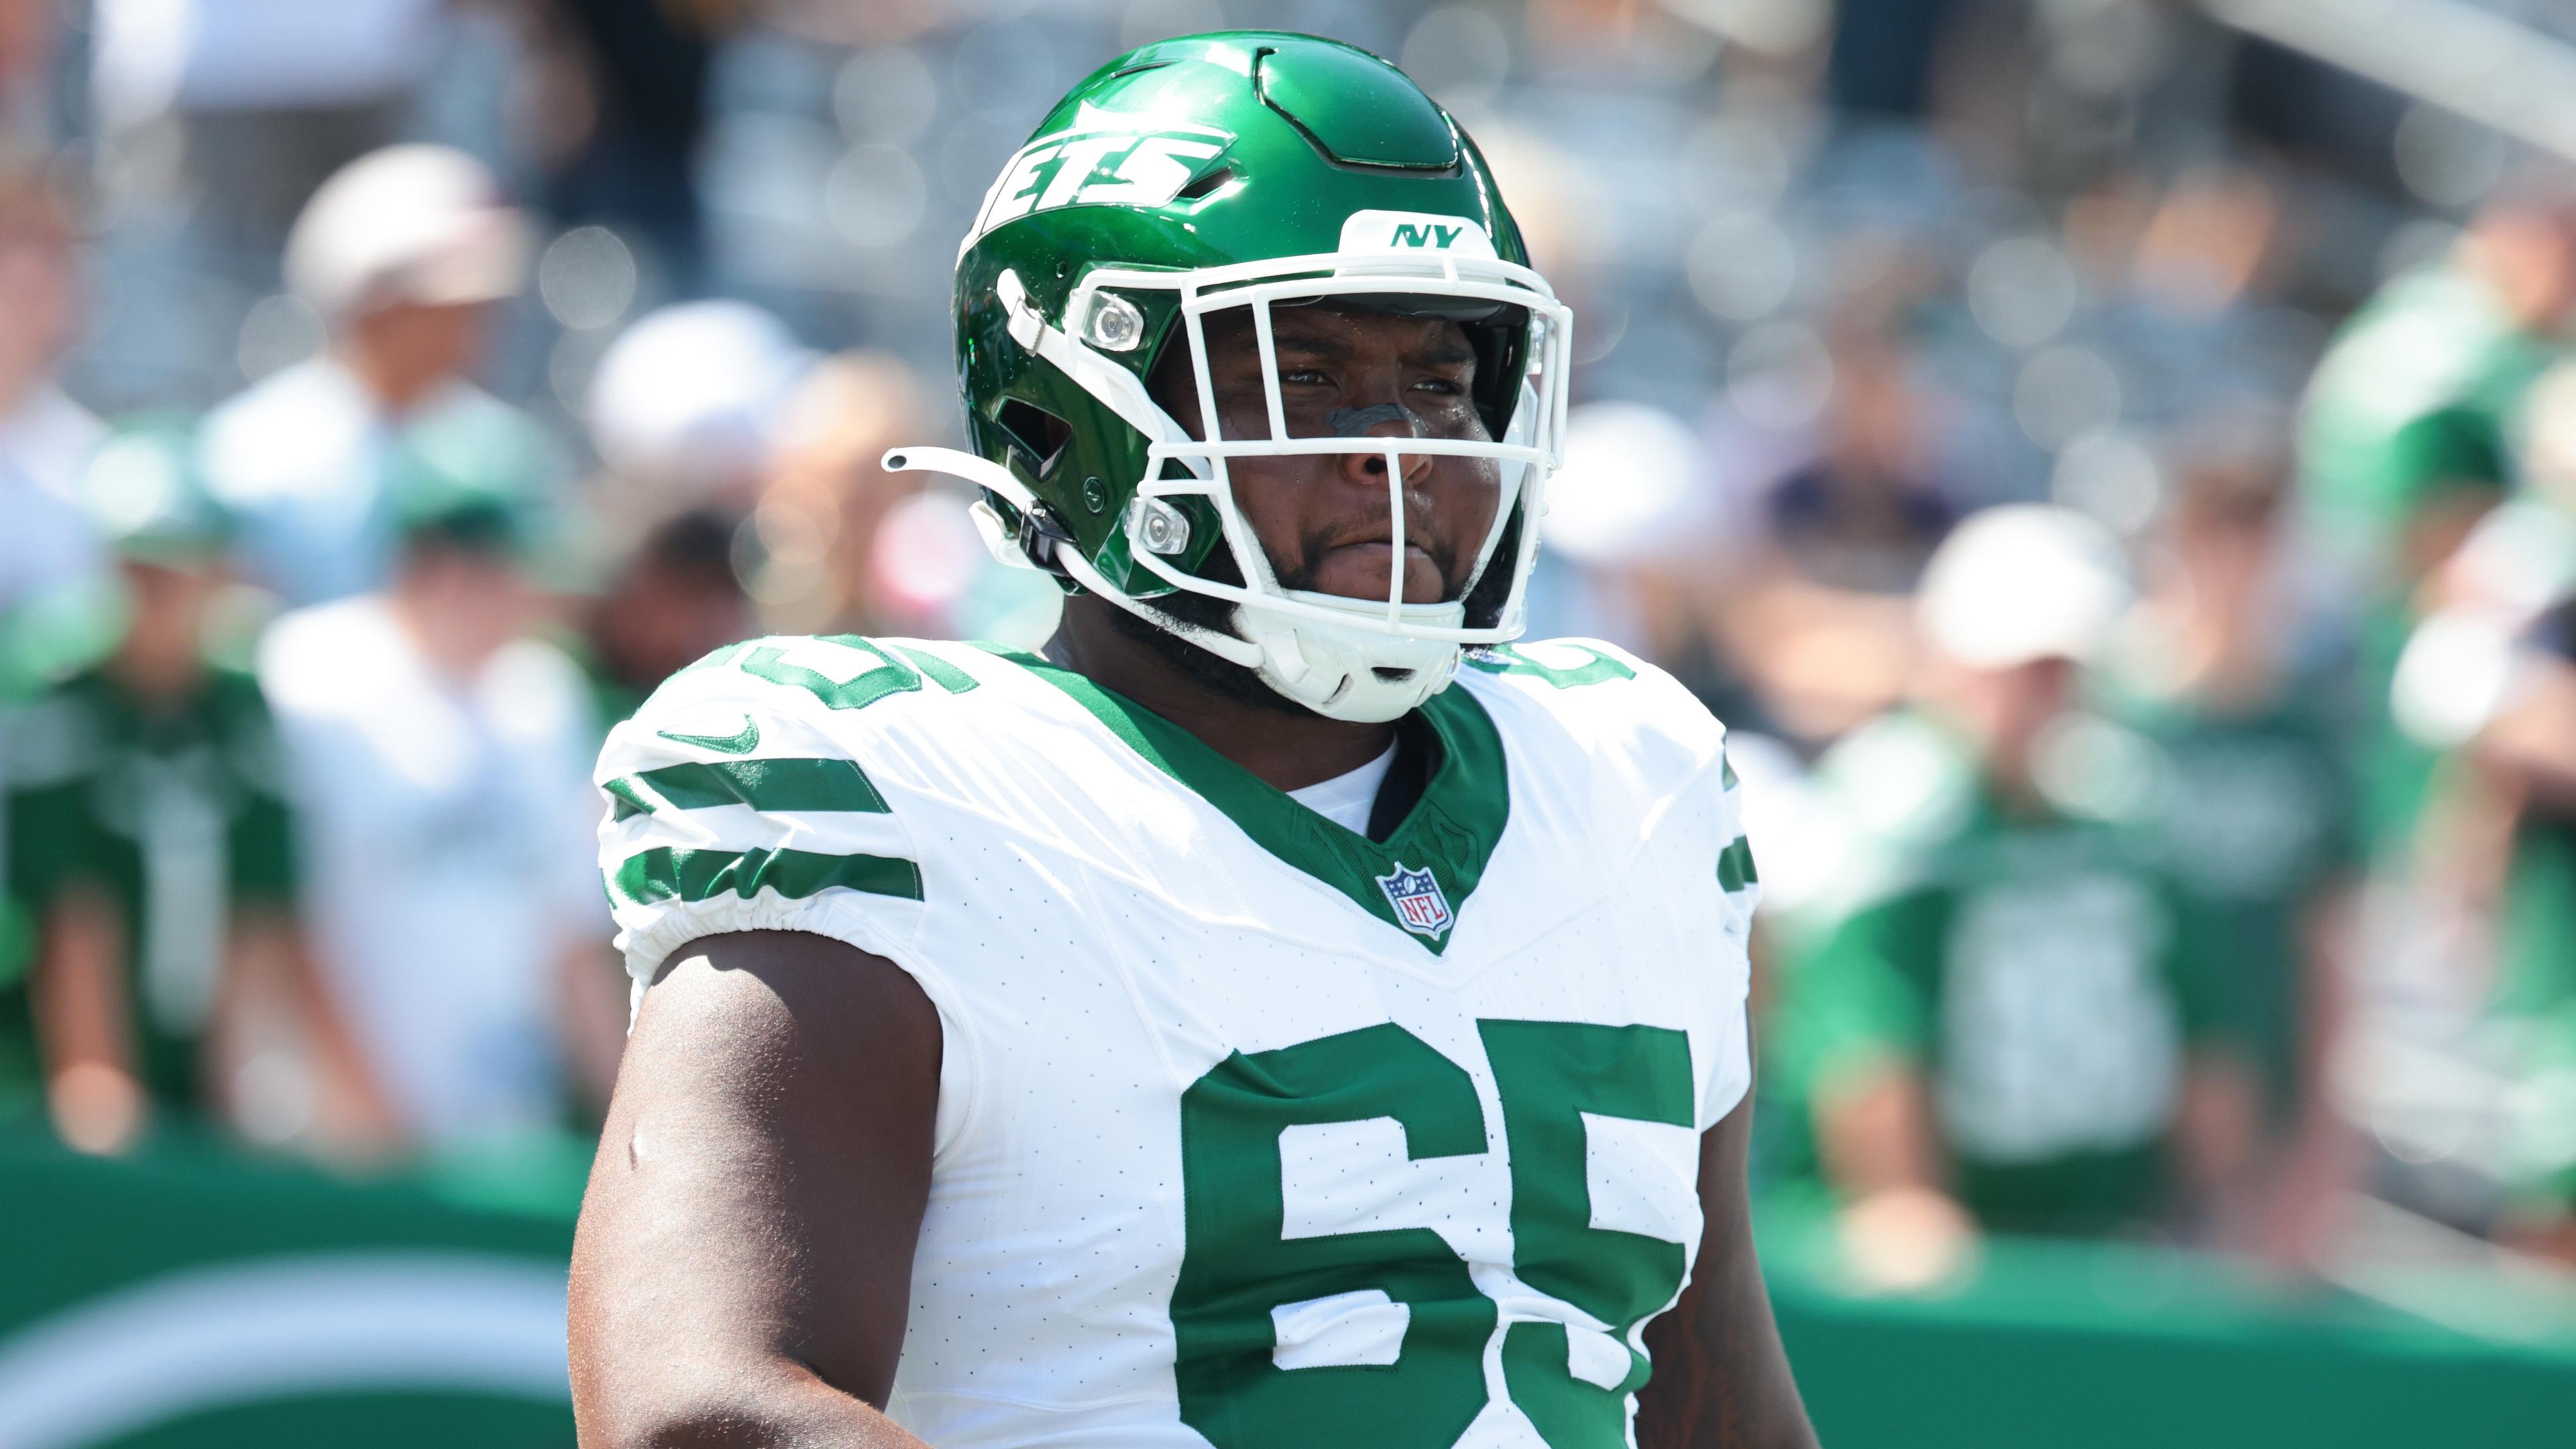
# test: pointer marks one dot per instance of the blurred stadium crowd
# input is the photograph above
(2116, 476)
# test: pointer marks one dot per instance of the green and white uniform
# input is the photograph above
(177, 817)
(2032, 965)
(1251, 1131)
(2256, 825)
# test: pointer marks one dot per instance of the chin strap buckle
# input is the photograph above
(1041, 534)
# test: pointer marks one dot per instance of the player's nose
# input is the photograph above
(1395, 423)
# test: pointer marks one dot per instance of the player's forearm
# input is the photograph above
(83, 1026)
(274, 946)
(1874, 1130)
(2215, 1130)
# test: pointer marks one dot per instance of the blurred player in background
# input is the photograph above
(1999, 1028)
(158, 853)
(1261, 1020)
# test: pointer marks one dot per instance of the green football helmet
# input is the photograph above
(1241, 170)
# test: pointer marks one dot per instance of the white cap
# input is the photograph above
(2022, 583)
(1628, 489)
(423, 224)
(689, 396)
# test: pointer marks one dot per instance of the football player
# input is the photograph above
(1281, 1014)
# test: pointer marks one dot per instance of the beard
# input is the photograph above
(1242, 684)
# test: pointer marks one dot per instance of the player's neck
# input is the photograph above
(1288, 749)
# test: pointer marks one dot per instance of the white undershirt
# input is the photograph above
(1348, 800)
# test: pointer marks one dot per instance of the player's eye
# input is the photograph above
(1446, 387)
(1304, 377)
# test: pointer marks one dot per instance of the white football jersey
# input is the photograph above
(1251, 1131)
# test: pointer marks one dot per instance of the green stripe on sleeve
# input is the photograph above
(1735, 866)
(939, 671)
(760, 784)
(629, 800)
(664, 874)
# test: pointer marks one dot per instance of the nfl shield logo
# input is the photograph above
(1419, 905)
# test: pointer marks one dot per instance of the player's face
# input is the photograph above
(1324, 519)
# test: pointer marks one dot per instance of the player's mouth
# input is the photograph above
(1358, 570)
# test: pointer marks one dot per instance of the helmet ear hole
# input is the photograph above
(1039, 433)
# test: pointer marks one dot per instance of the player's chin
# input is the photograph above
(1359, 571)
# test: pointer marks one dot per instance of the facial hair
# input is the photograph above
(1243, 684)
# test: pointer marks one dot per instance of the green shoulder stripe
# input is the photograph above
(792, 784)
(937, 670)
(1735, 866)
(664, 874)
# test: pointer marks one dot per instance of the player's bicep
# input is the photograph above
(760, 1182)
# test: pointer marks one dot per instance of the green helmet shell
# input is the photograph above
(1201, 152)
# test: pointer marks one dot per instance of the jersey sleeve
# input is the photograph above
(729, 811)
(1650, 761)
(740, 803)
(1740, 887)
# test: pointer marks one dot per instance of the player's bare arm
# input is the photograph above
(1721, 1379)
(745, 1251)
(1254, 1019)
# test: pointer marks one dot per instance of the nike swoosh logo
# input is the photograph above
(741, 742)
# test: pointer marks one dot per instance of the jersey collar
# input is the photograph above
(1449, 835)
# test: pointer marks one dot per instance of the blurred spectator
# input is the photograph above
(1864, 513)
(2255, 813)
(1811, 615)
(2527, 758)
(44, 435)
(623, 114)
(45, 438)
(1995, 1027)
(848, 546)
(677, 600)
(441, 760)
(401, 253)
(2409, 429)
(28, 37)
(160, 862)
(256, 101)
(686, 406)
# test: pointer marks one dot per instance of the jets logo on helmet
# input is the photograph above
(1229, 172)
(1102, 159)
